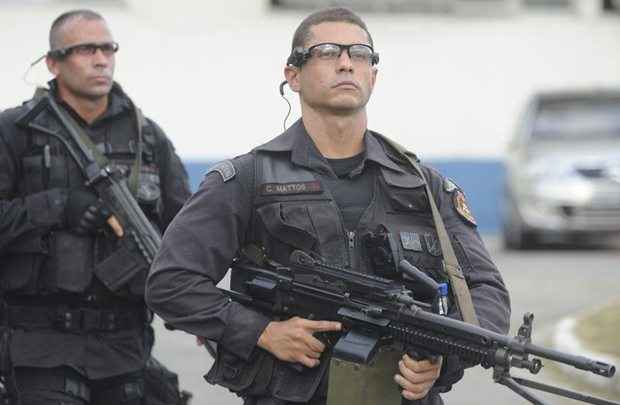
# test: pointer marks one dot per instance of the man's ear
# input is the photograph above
(52, 65)
(291, 73)
(374, 77)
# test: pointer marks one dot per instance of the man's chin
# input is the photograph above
(96, 93)
(346, 107)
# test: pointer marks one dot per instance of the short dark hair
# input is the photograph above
(333, 14)
(64, 18)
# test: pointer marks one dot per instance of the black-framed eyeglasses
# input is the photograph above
(91, 48)
(329, 51)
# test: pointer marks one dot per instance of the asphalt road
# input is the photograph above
(551, 283)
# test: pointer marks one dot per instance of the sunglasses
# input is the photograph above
(107, 48)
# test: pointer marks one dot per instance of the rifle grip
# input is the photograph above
(419, 356)
(422, 355)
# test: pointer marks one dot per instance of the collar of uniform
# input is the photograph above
(285, 141)
(118, 103)
(304, 152)
(377, 152)
(301, 147)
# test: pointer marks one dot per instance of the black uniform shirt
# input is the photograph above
(351, 192)
(25, 220)
(202, 241)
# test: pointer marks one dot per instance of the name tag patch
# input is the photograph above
(305, 187)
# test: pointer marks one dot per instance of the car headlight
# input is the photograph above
(557, 183)
(547, 169)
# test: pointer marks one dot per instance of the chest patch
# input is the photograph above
(411, 241)
(433, 247)
(302, 187)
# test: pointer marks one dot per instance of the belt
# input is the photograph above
(74, 319)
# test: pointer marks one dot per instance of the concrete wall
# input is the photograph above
(449, 87)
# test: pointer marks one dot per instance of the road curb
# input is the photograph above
(565, 339)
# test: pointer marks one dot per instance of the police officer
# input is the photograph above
(75, 341)
(321, 186)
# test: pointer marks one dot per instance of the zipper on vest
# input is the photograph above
(351, 244)
(47, 165)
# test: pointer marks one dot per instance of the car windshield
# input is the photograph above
(591, 118)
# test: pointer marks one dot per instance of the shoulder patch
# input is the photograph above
(226, 169)
(461, 206)
(449, 185)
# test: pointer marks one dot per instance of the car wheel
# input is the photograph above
(515, 234)
(515, 237)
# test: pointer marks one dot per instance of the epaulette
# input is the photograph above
(225, 168)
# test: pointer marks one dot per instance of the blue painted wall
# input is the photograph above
(482, 181)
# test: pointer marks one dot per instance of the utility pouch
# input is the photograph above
(70, 262)
(33, 169)
(365, 384)
(161, 386)
(21, 271)
(246, 378)
(119, 268)
(29, 245)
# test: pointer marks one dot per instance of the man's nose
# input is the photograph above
(344, 62)
(101, 58)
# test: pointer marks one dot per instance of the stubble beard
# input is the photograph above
(90, 94)
(339, 107)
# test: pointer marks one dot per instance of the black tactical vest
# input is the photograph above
(66, 261)
(292, 210)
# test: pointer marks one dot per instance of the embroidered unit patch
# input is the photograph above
(461, 206)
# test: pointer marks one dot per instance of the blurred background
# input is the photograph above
(518, 101)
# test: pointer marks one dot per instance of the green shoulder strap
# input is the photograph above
(451, 264)
(101, 160)
(134, 178)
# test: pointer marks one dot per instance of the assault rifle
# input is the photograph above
(136, 233)
(377, 311)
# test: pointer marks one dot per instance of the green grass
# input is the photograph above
(601, 330)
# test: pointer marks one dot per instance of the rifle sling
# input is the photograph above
(120, 257)
(134, 178)
(451, 266)
(101, 160)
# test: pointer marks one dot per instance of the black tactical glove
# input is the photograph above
(84, 212)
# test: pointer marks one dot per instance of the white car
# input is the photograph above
(563, 170)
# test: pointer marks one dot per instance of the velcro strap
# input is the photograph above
(77, 320)
(77, 388)
(57, 379)
(124, 393)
